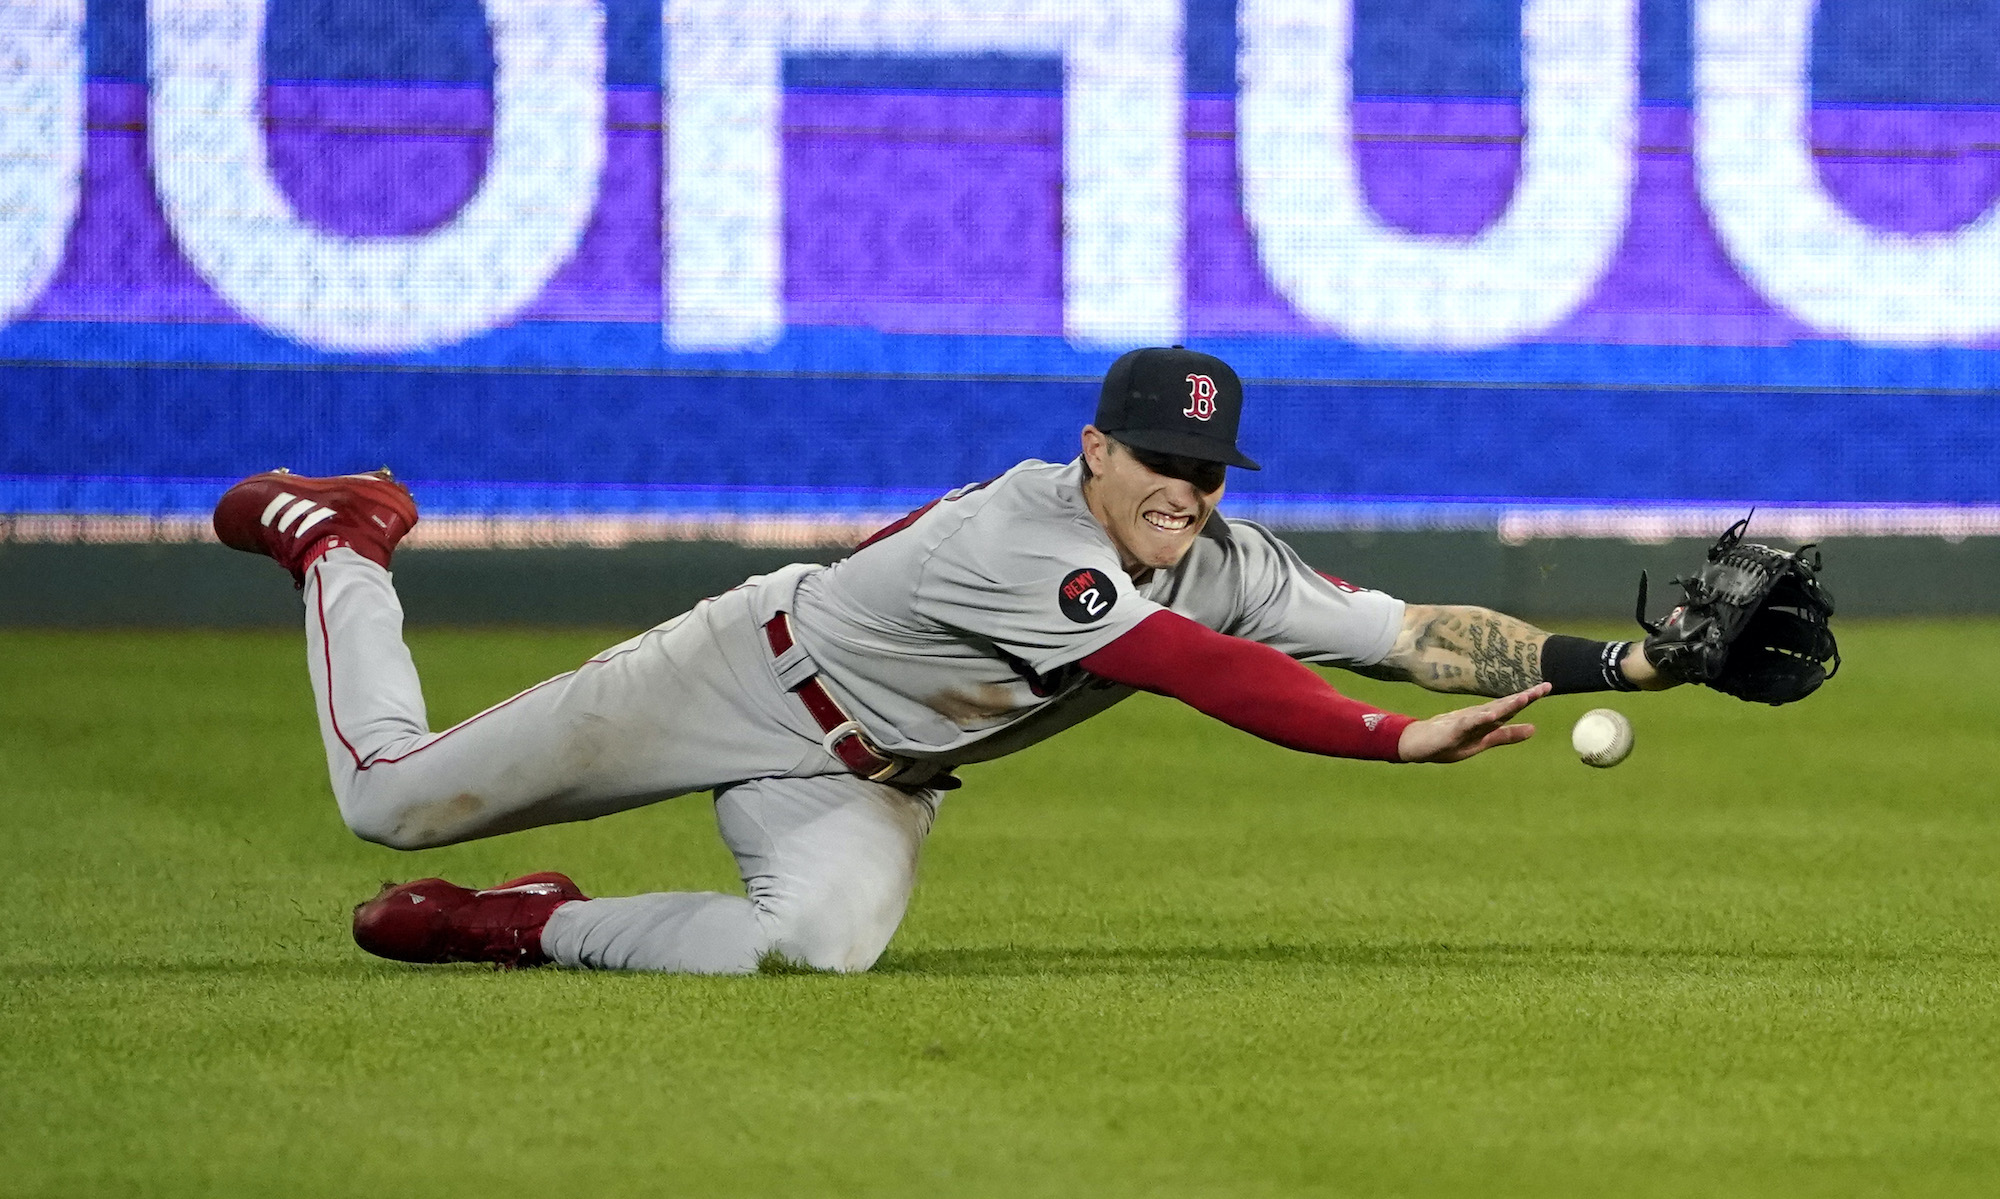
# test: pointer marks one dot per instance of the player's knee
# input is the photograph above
(412, 824)
(846, 932)
(824, 948)
(385, 829)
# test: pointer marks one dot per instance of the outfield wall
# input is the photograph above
(1571, 579)
(603, 273)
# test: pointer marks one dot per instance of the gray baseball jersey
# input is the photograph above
(955, 636)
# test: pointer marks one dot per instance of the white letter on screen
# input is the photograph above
(41, 143)
(1794, 241)
(1122, 192)
(381, 294)
(1329, 253)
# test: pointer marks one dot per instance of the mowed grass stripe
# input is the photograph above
(1153, 956)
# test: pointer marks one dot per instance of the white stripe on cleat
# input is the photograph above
(293, 513)
(271, 509)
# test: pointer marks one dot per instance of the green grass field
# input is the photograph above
(1153, 957)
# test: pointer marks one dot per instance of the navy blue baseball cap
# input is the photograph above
(1173, 400)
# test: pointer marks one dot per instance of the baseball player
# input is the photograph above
(827, 706)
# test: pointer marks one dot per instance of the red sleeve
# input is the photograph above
(1251, 686)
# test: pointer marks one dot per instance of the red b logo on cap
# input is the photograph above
(1201, 397)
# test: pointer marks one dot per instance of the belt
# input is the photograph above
(843, 733)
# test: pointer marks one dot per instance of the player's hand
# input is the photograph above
(1456, 736)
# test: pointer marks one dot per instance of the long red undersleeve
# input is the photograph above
(1251, 686)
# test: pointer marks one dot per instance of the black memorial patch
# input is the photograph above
(1086, 595)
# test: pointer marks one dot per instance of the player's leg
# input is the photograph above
(657, 716)
(661, 715)
(828, 863)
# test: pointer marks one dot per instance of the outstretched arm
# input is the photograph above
(1478, 651)
(1262, 691)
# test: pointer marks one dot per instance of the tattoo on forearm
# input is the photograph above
(1465, 649)
(1503, 659)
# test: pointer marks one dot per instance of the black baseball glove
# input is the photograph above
(1753, 622)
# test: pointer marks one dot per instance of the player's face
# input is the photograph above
(1151, 504)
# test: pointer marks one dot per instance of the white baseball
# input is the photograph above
(1602, 737)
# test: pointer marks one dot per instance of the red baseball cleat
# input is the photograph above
(431, 920)
(293, 518)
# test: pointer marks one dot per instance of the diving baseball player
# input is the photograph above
(827, 706)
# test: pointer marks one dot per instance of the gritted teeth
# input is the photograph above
(1168, 522)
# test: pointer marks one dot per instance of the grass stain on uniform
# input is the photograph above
(442, 818)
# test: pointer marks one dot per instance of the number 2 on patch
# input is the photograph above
(1086, 595)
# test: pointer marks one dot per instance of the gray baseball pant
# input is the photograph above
(828, 859)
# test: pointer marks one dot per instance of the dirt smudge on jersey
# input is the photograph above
(978, 707)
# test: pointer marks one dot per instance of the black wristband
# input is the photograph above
(1578, 664)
